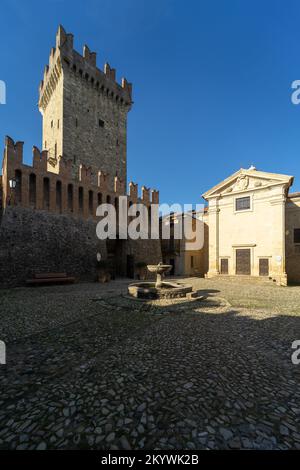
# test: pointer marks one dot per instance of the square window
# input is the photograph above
(242, 203)
(296, 235)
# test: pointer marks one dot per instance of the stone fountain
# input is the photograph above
(159, 289)
(159, 269)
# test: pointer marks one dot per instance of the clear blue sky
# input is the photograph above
(211, 82)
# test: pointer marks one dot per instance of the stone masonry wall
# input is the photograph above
(36, 242)
(41, 232)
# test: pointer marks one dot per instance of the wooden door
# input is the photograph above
(224, 266)
(243, 261)
(172, 271)
(130, 266)
(264, 267)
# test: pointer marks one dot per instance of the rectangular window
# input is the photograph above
(242, 203)
(296, 235)
(192, 261)
(101, 123)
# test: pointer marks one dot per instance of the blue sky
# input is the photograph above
(211, 82)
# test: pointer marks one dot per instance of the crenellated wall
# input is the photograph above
(64, 193)
(41, 231)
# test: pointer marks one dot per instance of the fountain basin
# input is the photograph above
(167, 290)
(159, 268)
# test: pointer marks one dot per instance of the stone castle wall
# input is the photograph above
(48, 221)
(38, 242)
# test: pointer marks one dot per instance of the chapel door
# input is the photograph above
(243, 261)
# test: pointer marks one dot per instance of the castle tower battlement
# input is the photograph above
(84, 110)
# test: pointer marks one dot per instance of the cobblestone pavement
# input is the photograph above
(89, 368)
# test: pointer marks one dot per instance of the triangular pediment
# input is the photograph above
(244, 180)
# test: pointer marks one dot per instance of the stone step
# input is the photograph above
(244, 278)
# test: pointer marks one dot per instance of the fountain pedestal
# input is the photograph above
(159, 269)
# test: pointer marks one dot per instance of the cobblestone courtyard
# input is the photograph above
(88, 368)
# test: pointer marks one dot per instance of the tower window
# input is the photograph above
(101, 123)
(76, 122)
(51, 124)
(58, 124)
(296, 235)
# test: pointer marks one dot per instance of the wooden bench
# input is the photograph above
(50, 278)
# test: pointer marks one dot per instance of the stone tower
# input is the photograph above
(84, 110)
